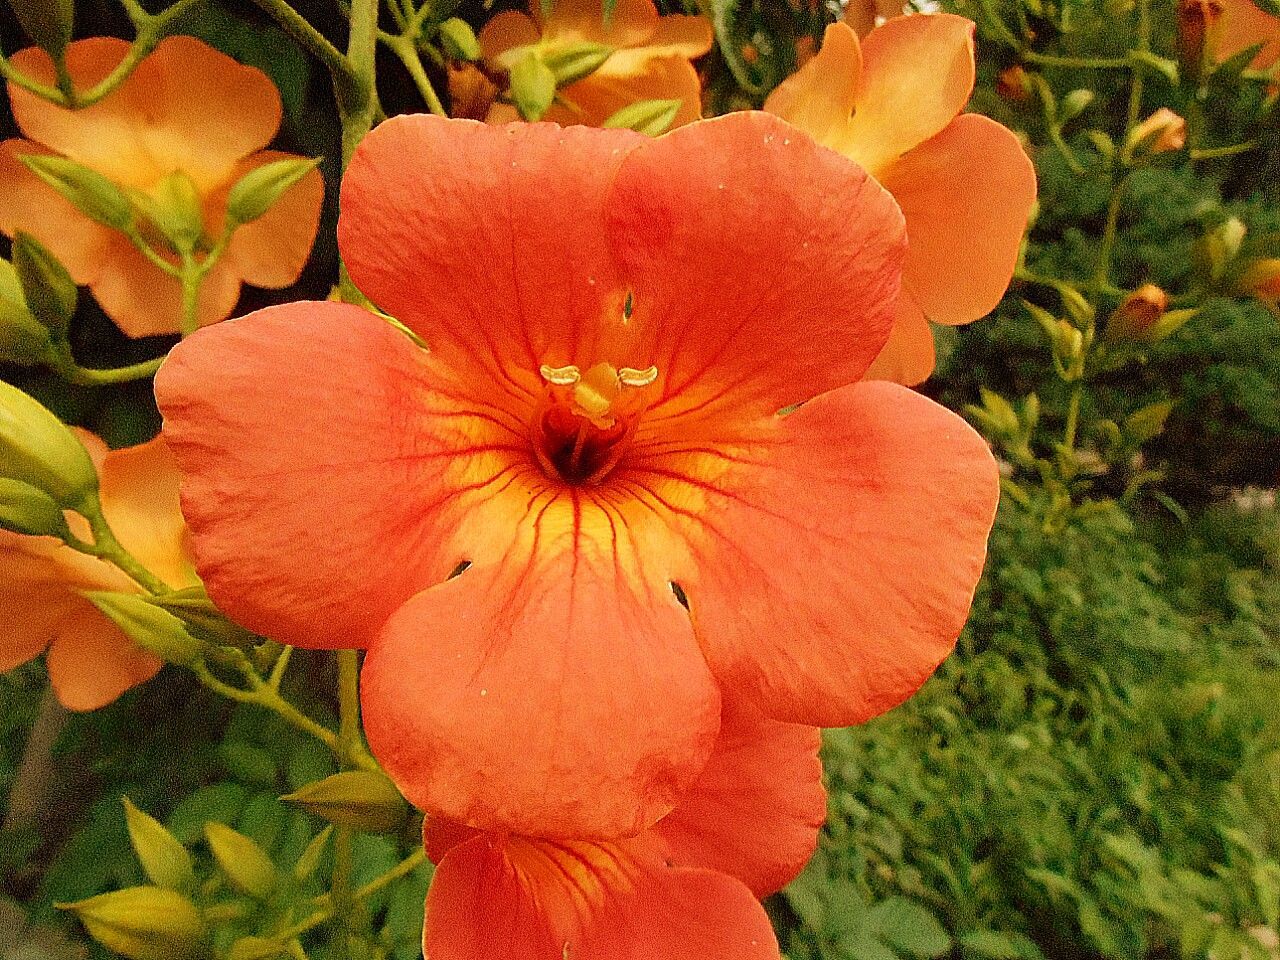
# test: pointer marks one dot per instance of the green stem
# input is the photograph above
(313, 41)
(1083, 63)
(407, 51)
(357, 106)
(191, 274)
(324, 904)
(1073, 417)
(1102, 272)
(66, 367)
(1208, 153)
(105, 546)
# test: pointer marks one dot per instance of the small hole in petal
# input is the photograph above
(629, 306)
(680, 595)
(457, 571)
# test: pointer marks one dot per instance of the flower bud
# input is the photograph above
(47, 287)
(1148, 422)
(47, 22)
(1137, 313)
(471, 92)
(650, 117)
(164, 859)
(143, 923)
(245, 863)
(258, 190)
(1169, 324)
(87, 190)
(575, 61)
(363, 799)
(1198, 33)
(26, 510)
(309, 862)
(1161, 132)
(533, 86)
(38, 449)
(1261, 279)
(459, 40)
(174, 206)
(1014, 84)
(23, 339)
(148, 626)
(1074, 104)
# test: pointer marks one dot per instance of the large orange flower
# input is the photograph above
(90, 661)
(185, 108)
(650, 60)
(686, 889)
(965, 186)
(1243, 25)
(509, 521)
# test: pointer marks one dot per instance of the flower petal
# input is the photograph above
(1245, 24)
(506, 31)
(272, 250)
(632, 23)
(755, 812)
(139, 491)
(832, 562)
(91, 662)
(908, 358)
(523, 900)
(966, 194)
(917, 74)
(819, 97)
(325, 468)
(554, 688)
(763, 268)
(628, 77)
(28, 204)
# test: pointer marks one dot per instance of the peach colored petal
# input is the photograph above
(864, 15)
(139, 491)
(91, 662)
(917, 74)
(634, 77)
(966, 195)
(507, 31)
(1243, 25)
(680, 35)
(632, 24)
(30, 205)
(145, 302)
(819, 98)
(908, 357)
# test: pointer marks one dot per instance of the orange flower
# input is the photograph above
(686, 889)
(963, 182)
(501, 520)
(185, 108)
(650, 62)
(1243, 25)
(865, 15)
(90, 661)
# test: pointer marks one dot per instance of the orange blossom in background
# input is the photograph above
(185, 108)
(514, 521)
(965, 186)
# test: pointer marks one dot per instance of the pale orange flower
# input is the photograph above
(651, 60)
(1244, 25)
(892, 103)
(90, 661)
(185, 108)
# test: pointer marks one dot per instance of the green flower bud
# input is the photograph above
(37, 448)
(24, 509)
(257, 191)
(363, 799)
(533, 86)
(575, 61)
(143, 923)
(309, 862)
(23, 339)
(162, 855)
(459, 40)
(1148, 422)
(256, 948)
(48, 290)
(1074, 104)
(650, 117)
(148, 626)
(245, 863)
(174, 207)
(47, 22)
(87, 190)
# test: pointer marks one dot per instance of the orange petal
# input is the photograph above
(139, 491)
(554, 688)
(831, 562)
(966, 195)
(1243, 25)
(319, 504)
(272, 250)
(159, 119)
(629, 77)
(144, 301)
(28, 204)
(534, 901)
(864, 15)
(679, 35)
(819, 98)
(755, 812)
(908, 358)
(763, 268)
(917, 74)
(91, 662)
(632, 24)
(508, 30)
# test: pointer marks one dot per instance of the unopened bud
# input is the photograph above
(1215, 251)
(164, 859)
(650, 117)
(174, 206)
(148, 626)
(258, 190)
(363, 799)
(1170, 323)
(533, 86)
(571, 63)
(1198, 31)
(1074, 104)
(23, 338)
(26, 510)
(309, 862)
(1261, 279)
(1148, 422)
(459, 40)
(143, 923)
(47, 22)
(1014, 84)
(47, 287)
(245, 863)
(38, 449)
(1077, 305)
(471, 92)
(1161, 132)
(87, 190)
(1137, 314)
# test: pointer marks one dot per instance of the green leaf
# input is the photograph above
(47, 22)
(909, 927)
(164, 859)
(989, 943)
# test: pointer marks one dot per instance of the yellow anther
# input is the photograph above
(631, 377)
(595, 393)
(561, 376)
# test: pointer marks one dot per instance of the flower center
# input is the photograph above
(581, 429)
